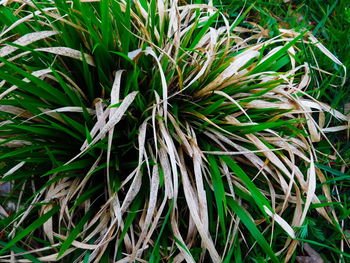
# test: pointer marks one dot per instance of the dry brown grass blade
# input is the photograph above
(193, 206)
(329, 54)
(171, 138)
(149, 51)
(202, 199)
(101, 122)
(54, 113)
(24, 215)
(48, 225)
(182, 136)
(117, 116)
(136, 183)
(165, 164)
(172, 152)
(238, 62)
(26, 40)
(14, 143)
(100, 113)
(285, 226)
(115, 93)
(13, 169)
(38, 74)
(311, 187)
(154, 223)
(174, 224)
(150, 211)
(16, 57)
(68, 52)
(23, 20)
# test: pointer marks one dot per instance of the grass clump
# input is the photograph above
(150, 131)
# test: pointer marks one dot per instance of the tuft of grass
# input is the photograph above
(148, 131)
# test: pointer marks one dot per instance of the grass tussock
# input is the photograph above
(147, 131)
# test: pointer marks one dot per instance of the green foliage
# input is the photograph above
(155, 130)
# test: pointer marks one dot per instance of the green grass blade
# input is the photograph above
(254, 231)
(254, 191)
(25, 232)
(204, 30)
(268, 62)
(75, 232)
(219, 193)
(20, 250)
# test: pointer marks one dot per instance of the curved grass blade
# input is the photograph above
(250, 225)
(24, 233)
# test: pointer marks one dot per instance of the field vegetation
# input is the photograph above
(174, 131)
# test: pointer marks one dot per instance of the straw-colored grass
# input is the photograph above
(149, 131)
